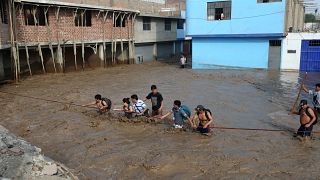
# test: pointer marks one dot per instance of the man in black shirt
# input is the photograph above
(156, 100)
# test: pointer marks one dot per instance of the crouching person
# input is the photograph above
(126, 108)
(205, 119)
(102, 103)
(181, 113)
(139, 106)
(308, 118)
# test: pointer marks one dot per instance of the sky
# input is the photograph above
(312, 9)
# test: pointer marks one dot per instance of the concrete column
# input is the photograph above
(174, 48)
(296, 16)
(1, 67)
(101, 53)
(155, 51)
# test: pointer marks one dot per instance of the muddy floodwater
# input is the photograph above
(102, 147)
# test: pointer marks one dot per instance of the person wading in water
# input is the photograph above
(102, 103)
(156, 100)
(316, 97)
(205, 119)
(308, 119)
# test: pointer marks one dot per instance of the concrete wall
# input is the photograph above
(234, 52)
(157, 32)
(291, 61)
(247, 17)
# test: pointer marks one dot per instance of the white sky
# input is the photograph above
(311, 9)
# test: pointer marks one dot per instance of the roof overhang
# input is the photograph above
(75, 5)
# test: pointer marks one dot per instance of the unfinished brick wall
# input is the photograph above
(65, 29)
(4, 34)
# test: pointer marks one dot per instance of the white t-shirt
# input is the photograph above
(316, 98)
(183, 60)
(139, 107)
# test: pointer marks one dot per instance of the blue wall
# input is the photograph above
(236, 52)
(247, 17)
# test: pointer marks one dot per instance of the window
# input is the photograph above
(219, 10)
(39, 16)
(268, 1)
(3, 12)
(180, 24)
(314, 43)
(146, 23)
(84, 21)
(118, 22)
(167, 24)
(275, 42)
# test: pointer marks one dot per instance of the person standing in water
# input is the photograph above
(126, 108)
(102, 103)
(181, 113)
(316, 97)
(139, 106)
(308, 118)
(156, 100)
(205, 119)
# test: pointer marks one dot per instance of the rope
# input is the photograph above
(48, 100)
(216, 127)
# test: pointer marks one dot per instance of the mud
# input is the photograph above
(106, 147)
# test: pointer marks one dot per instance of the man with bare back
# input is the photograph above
(308, 118)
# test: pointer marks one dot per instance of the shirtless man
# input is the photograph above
(205, 119)
(103, 104)
(307, 119)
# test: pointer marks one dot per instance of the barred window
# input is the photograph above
(219, 10)
(275, 42)
(268, 1)
(146, 23)
(3, 12)
(314, 43)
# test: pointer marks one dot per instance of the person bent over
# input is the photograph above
(102, 103)
(204, 117)
(139, 106)
(180, 114)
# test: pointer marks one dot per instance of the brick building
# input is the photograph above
(39, 36)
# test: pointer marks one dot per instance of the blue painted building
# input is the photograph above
(240, 33)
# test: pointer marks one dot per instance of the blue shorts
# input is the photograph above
(203, 130)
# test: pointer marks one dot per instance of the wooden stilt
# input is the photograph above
(121, 23)
(41, 57)
(50, 39)
(74, 42)
(28, 59)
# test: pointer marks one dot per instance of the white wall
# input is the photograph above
(291, 61)
(157, 32)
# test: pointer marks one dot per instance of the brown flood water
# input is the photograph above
(100, 147)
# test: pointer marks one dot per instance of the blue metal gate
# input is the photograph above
(310, 56)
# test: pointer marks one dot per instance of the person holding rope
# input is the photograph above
(156, 100)
(180, 114)
(316, 97)
(102, 103)
(308, 119)
(126, 108)
(205, 119)
(139, 106)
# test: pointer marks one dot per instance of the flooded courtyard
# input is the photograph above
(102, 147)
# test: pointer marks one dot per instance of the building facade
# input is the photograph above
(158, 38)
(237, 33)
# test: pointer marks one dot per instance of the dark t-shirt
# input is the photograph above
(156, 100)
